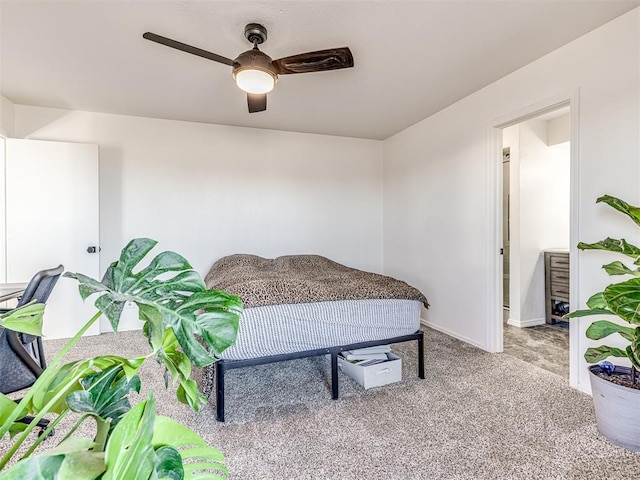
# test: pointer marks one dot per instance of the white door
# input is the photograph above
(52, 218)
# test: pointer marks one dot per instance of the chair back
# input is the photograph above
(21, 355)
(41, 286)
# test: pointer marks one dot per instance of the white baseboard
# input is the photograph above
(453, 334)
(526, 323)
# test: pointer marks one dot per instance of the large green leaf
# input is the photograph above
(597, 301)
(179, 367)
(587, 313)
(153, 327)
(596, 355)
(620, 205)
(612, 245)
(144, 446)
(71, 459)
(170, 291)
(65, 381)
(34, 468)
(168, 463)
(633, 354)
(619, 268)
(25, 319)
(80, 462)
(7, 407)
(105, 394)
(129, 454)
(603, 328)
(623, 299)
(211, 315)
(87, 285)
(200, 461)
(68, 377)
(597, 306)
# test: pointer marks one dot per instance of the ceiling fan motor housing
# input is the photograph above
(254, 60)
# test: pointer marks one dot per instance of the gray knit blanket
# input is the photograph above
(301, 279)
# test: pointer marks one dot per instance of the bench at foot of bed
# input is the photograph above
(223, 365)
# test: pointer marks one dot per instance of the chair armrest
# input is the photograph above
(18, 347)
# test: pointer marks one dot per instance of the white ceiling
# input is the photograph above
(412, 58)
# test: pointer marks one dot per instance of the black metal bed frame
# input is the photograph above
(223, 365)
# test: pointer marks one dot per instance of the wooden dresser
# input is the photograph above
(556, 276)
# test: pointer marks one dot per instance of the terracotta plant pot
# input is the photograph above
(616, 409)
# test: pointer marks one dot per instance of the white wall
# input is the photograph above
(206, 191)
(438, 177)
(6, 117)
(559, 130)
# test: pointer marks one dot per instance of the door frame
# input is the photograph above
(495, 331)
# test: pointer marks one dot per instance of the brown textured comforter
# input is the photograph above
(301, 279)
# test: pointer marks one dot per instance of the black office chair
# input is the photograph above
(21, 356)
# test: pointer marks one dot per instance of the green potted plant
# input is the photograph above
(616, 389)
(185, 325)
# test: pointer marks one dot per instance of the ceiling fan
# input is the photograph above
(255, 72)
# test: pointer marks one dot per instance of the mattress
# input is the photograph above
(292, 279)
(286, 328)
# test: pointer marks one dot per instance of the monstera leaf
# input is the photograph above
(7, 406)
(105, 394)
(169, 294)
(68, 377)
(185, 324)
(178, 366)
(72, 458)
(199, 461)
(129, 453)
(144, 446)
(25, 319)
(35, 468)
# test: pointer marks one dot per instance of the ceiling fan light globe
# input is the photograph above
(255, 81)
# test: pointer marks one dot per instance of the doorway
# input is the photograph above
(536, 218)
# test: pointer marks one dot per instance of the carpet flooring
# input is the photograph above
(475, 416)
(546, 346)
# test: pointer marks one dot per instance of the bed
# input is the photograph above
(307, 305)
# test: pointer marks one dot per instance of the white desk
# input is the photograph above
(10, 291)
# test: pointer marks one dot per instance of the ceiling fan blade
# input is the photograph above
(187, 48)
(331, 59)
(257, 102)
